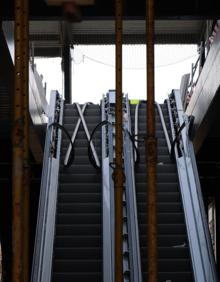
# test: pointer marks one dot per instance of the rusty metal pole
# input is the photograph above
(26, 180)
(151, 149)
(18, 147)
(119, 174)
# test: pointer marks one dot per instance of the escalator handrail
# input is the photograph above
(71, 155)
(43, 249)
(136, 126)
(164, 127)
(197, 229)
(90, 154)
(162, 122)
(107, 201)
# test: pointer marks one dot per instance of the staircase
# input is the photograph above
(78, 235)
(174, 263)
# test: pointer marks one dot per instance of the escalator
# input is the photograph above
(184, 247)
(75, 233)
(68, 243)
(78, 242)
(173, 252)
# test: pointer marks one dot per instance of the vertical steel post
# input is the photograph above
(67, 69)
(151, 148)
(119, 174)
(26, 179)
(19, 251)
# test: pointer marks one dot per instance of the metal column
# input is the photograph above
(20, 143)
(67, 70)
(118, 173)
(151, 148)
(26, 177)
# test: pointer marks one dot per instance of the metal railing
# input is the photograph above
(131, 201)
(164, 127)
(43, 253)
(197, 229)
(131, 247)
(107, 197)
(162, 122)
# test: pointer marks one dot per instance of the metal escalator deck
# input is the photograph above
(174, 263)
(78, 239)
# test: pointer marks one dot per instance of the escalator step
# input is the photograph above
(168, 265)
(63, 208)
(173, 252)
(161, 168)
(78, 242)
(78, 253)
(161, 178)
(164, 218)
(161, 196)
(163, 207)
(78, 229)
(172, 276)
(73, 119)
(166, 229)
(84, 265)
(72, 241)
(169, 252)
(77, 276)
(89, 112)
(79, 178)
(171, 240)
(82, 218)
(83, 188)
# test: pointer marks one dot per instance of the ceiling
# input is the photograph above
(177, 22)
(132, 9)
(46, 36)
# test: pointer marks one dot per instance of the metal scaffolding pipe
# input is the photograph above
(26, 180)
(19, 250)
(151, 148)
(119, 174)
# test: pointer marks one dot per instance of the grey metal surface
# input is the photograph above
(196, 221)
(108, 197)
(206, 90)
(131, 201)
(164, 127)
(136, 128)
(42, 261)
(131, 248)
(37, 104)
(184, 87)
(108, 249)
(46, 36)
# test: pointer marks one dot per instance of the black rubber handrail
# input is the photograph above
(61, 127)
(132, 138)
(176, 139)
(102, 123)
(90, 154)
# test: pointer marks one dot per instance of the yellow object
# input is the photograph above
(134, 101)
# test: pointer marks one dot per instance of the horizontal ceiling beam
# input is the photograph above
(105, 9)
